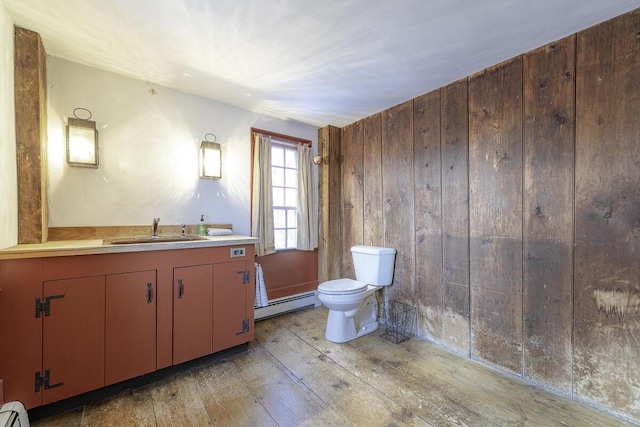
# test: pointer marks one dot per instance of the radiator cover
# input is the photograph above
(287, 304)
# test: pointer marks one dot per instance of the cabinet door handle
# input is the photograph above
(149, 292)
(245, 276)
(180, 288)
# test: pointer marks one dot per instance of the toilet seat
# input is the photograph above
(342, 287)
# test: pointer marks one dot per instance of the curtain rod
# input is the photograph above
(281, 136)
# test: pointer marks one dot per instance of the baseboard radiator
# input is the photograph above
(287, 304)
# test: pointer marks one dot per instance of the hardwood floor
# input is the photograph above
(292, 376)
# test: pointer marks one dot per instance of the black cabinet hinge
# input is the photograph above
(45, 307)
(39, 310)
(149, 293)
(245, 327)
(42, 381)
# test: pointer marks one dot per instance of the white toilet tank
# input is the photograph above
(373, 264)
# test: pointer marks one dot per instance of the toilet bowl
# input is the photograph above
(352, 304)
(351, 314)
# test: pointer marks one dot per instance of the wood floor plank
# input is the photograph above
(132, 407)
(502, 392)
(293, 376)
(289, 401)
(177, 403)
(227, 399)
(478, 391)
(433, 403)
(357, 401)
(252, 389)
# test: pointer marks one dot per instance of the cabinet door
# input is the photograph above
(73, 337)
(232, 324)
(20, 329)
(192, 308)
(130, 343)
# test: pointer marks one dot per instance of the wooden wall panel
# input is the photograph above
(31, 135)
(540, 214)
(607, 248)
(455, 216)
(373, 233)
(398, 193)
(329, 202)
(549, 123)
(289, 273)
(428, 215)
(495, 177)
(352, 195)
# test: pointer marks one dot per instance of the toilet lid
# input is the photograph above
(342, 286)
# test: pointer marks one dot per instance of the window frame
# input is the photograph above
(278, 139)
(286, 206)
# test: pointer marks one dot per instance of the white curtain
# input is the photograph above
(307, 214)
(262, 197)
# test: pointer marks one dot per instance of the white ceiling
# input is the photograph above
(315, 61)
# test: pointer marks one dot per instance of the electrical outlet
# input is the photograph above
(237, 252)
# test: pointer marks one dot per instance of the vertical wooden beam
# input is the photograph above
(372, 170)
(31, 131)
(455, 215)
(607, 217)
(428, 215)
(352, 194)
(330, 224)
(495, 190)
(398, 195)
(548, 126)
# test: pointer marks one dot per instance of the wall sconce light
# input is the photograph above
(318, 160)
(82, 141)
(210, 158)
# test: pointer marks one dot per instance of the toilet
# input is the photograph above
(352, 304)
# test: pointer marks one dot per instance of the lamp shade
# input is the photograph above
(210, 160)
(82, 143)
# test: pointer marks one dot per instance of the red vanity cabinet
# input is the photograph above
(72, 324)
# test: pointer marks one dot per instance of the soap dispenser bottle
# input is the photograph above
(202, 227)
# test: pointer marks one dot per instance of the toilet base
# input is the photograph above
(342, 328)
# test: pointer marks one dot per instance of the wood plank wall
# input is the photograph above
(373, 233)
(606, 293)
(495, 197)
(454, 148)
(398, 191)
(487, 185)
(352, 194)
(548, 144)
(428, 214)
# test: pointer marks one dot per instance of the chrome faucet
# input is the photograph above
(154, 232)
(183, 230)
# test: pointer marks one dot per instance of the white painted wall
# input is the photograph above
(8, 177)
(149, 141)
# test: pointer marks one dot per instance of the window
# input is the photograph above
(283, 216)
(284, 170)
